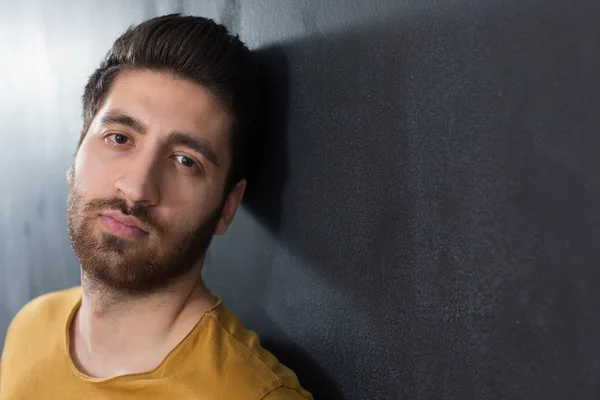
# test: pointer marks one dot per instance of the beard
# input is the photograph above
(144, 266)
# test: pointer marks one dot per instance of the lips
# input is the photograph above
(122, 225)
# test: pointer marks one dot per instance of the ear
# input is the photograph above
(70, 170)
(234, 198)
(69, 174)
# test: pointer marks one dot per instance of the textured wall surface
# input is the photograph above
(426, 221)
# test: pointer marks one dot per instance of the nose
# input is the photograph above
(139, 183)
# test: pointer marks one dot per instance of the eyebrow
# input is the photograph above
(201, 146)
(119, 118)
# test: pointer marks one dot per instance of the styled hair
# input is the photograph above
(193, 48)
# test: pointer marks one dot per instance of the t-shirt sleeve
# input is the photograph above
(284, 393)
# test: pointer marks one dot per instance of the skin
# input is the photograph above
(116, 332)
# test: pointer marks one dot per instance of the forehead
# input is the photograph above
(165, 103)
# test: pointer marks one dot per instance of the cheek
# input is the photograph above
(187, 213)
(184, 194)
(90, 173)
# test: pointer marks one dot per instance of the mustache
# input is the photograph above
(138, 210)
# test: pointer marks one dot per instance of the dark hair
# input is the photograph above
(193, 48)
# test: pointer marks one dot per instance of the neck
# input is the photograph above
(112, 332)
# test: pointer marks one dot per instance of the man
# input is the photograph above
(168, 120)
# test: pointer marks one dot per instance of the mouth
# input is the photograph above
(122, 225)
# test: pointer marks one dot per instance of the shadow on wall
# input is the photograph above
(266, 180)
(423, 172)
(264, 198)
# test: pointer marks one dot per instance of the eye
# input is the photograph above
(117, 138)
(185, 161)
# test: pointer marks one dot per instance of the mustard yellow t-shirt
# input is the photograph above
(217, 360)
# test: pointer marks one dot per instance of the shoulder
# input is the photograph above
(253, 366)
(45, 309)
(38, 329)
(283, 393)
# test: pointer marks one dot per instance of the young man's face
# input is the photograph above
(146, 188)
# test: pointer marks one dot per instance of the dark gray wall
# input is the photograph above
(426, 223)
